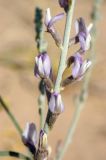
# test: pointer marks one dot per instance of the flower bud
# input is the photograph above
(65, 4)
(83, 34)
(42, 152)
(55, 108)
(79, 67)
(43, 66)
(55, 103)
(29, 137)
(43, 139)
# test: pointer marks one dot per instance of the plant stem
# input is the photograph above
(14, 154)
(41, 103)
(79, 105)
(80, 100)
(11, 116)
(62, 63)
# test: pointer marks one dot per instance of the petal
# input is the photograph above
(34, 138)
(32, 133)
(86, 64)
(76, 68)
(36, 59)
(88, 40)
(82, 42)
(90, 27)
(47, 65)
(29, 136)
(82, 26)
(36, 72)
(76, 27)
(47, 17)
(60, 106)
(26, 131)
(55, 19)
(40, 66)
(52, 103)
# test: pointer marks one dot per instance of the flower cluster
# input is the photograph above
(43, 67)
(43, 70)
(79, 64)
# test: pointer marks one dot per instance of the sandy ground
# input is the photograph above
(19, 87)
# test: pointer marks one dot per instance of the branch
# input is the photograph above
(62, 63)
(11, 116)
(80, 100)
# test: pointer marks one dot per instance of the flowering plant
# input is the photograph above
(50, 88)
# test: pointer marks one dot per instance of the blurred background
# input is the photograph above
(18, 85)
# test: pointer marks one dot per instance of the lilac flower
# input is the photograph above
(29, 136)
(64, 4)
(83, 34)
(55, 103)
(43, 65)
(49, 21)
(79, 67)
(55, 108)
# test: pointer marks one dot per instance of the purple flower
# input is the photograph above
(55, 103)
(79, 67)
(49, 21)
(64, 4)
(43, 65)
(83, 34)
(29, 136)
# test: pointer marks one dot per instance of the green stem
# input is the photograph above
(83, 94)
(62, 63)
(79, 105)
(41, 103)
(14, 154)
(11, 116)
